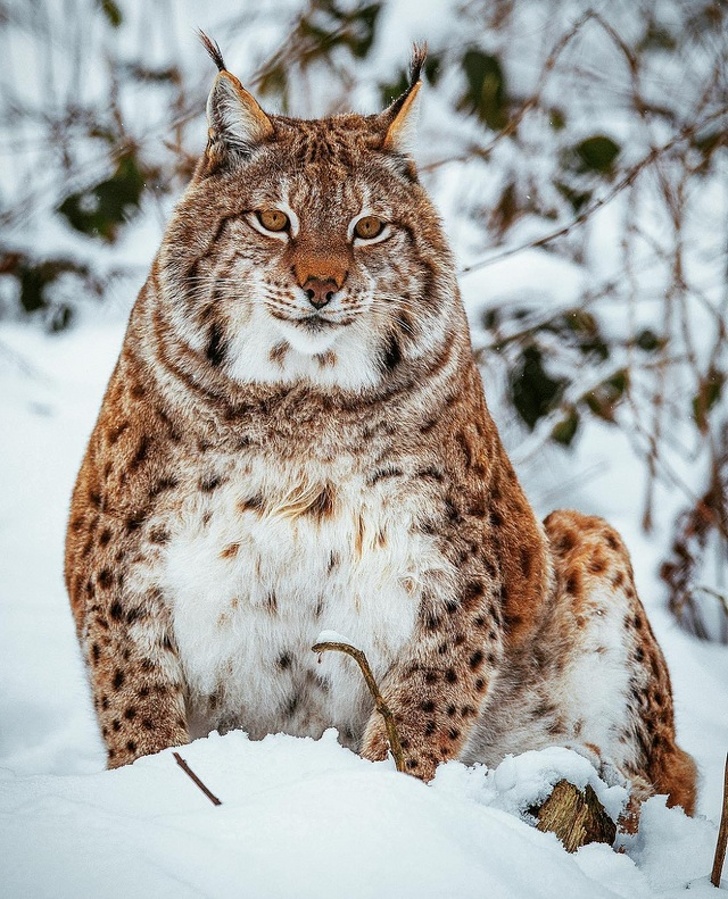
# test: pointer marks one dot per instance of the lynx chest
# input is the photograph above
(261, 558)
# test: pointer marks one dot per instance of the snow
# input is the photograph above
(329, 636)
(299, 817)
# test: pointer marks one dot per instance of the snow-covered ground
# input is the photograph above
(299, 818)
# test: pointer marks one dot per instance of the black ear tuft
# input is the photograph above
(419, 55)
(213, 50)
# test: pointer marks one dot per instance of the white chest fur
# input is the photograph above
(274, 554)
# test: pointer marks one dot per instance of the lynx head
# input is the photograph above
(308, 250)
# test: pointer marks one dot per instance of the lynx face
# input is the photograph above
(307, 249)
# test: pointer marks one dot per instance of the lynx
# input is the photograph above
(295, 438)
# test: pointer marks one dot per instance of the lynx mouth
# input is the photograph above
(315, 324)
(310, 334)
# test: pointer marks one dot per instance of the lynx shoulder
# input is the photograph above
(295, 438)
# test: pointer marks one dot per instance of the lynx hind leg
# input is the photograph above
(616, 671)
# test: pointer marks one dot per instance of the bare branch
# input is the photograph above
(625, 181)
(191, 774)
(720, 848)
(380, 704)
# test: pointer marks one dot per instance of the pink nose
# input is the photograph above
(319, 292)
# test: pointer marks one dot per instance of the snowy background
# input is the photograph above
(302, 818)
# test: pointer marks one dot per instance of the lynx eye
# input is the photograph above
(273, 219)
(369, 227)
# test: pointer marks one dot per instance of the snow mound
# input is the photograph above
(309, 818)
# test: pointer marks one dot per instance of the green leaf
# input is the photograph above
(657, 37)
(35, 281)
(100, 210)
(596, 154)
(648, 341)
(575, 197)
(533, 391)
(111, 10)
(557, 118)
(327, 26)
(565, 430)
(486, 92)
(605, 397)
(433, 68)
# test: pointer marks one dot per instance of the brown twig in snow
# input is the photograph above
(380, 704)
(722, 834)
(191, 774)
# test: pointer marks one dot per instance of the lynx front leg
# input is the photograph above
(435, 691)
(136, 676)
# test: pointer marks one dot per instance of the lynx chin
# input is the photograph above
(295, 438)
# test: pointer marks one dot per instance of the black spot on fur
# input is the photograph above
(134, 615)
(118, 680)
(207, 485)
(104, 578)
(472, 592)
(115, 610)
(216, 347)
(141, 454)
(431, 472)
(383, 473)
(452, 512)
(161, 485)
(133, 523)
(391, 354)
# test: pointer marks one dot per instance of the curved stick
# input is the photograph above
(379, 703)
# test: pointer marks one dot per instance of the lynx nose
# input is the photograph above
(319, 292)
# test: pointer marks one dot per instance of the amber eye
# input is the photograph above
(369, 227)
(273, 219)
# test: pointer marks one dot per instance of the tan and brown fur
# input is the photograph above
(295, 437)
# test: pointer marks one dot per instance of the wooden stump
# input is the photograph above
(575, 817)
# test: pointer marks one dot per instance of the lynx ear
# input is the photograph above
(233, 115)
(401, 117)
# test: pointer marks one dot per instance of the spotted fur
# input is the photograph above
(294, 439)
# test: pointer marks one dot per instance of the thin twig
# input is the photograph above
(380, 704)
(722, 834)
(625, 181)
(191, 774)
